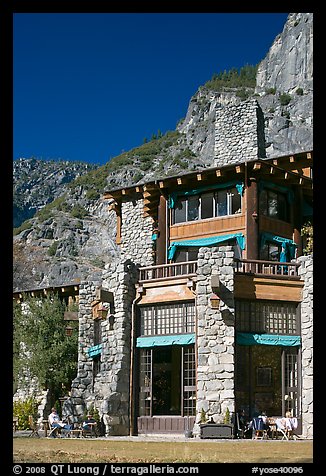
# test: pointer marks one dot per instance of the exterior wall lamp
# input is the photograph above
(215, 301)
(68, 331)
(102, 311)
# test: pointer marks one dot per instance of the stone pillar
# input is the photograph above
(306, 273)
(215, 335)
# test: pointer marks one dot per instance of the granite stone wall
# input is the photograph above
(215, 335)
(306, 273)
(112, 383)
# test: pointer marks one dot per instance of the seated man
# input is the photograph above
(89, 424)
(55, 422)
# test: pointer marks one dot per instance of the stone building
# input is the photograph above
(208, 311)
(210, 306)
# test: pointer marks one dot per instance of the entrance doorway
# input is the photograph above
(167, 388)
(166, 381)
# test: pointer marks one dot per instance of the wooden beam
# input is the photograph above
(107, 196)
(150, 203)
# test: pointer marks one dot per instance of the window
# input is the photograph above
(187, 254)
(97, 331)
(267, 316)
(193, 209)
(207, 205)
(167, 319)
(270, 251)
(273, 204)
(96, 367)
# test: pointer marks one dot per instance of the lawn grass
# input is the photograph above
(43, 450)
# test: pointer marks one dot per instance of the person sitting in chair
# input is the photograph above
(56, 422)
(90, 423)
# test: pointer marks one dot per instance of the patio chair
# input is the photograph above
(33, 427)
(259, 430)
(291, 424)
(54, 432)
(281, 428)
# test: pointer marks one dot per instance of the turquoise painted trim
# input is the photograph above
(95, 350)
(213, 240)
(247, 338)
(158, 341)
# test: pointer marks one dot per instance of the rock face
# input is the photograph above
(73, 237)
(38, 182)
(288, 70)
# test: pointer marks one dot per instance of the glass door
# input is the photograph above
(167, 381)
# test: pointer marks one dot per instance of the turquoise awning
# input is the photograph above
(247, 338)
(213, 240)
(95, 350)
(288, 246)
(173, 197)
(158, 341)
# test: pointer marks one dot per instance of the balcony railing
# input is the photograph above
(186, 269)
(275, 268)
(163, 272)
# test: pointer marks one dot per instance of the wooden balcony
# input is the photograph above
(269, 268)
(164, 272)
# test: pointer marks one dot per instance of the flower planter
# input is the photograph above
(216, 430)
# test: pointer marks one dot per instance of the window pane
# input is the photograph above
(274, 252)
(181, 256)
(272, 204)
(282, 207)
(193, 208)
(235, 201)
(263, 202)
(221, 208)
(207, 205)
(192, 254)
(180, 211)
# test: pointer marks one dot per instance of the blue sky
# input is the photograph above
(88, 86)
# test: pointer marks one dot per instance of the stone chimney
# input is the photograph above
(239, 133)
